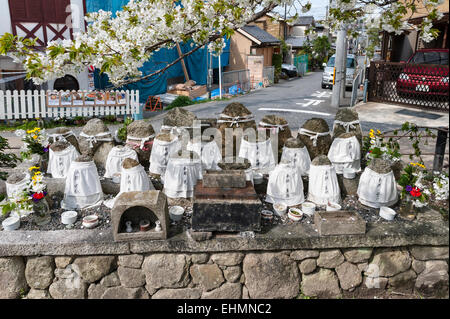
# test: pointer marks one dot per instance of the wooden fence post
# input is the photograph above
(441, 142)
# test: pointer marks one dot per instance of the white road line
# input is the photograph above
(294, 111)
(321, 94)
(311, 102)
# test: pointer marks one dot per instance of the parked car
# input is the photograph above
(425, 73)
(289, 69)
(327, 75)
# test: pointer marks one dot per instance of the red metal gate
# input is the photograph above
(419, 85)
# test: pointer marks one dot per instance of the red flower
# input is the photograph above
(415, 192)
(38, 195)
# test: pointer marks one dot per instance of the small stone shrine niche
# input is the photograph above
(140, 215)
(278, 129)
(377, 186)
(179, 122)
(315, 134)
(61, 155)
(164, 145)
(345, 152)
(346, 120)
(182, 174)
(323, 187)
(96, 141)
(234, 116)
(140, 135)
(63, 134)
(295, 152)
(226, 201)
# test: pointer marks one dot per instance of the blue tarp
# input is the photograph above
(196, 63)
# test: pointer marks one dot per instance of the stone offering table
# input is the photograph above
(409, 258)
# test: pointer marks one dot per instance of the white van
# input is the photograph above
(327, 76)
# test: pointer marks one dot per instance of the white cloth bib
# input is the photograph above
(209, 153)
(132, 179)
(161, 151)
(347, 125)
(12, 189)
(100, 137)
(323, 186)
(285, 185)
(181, 176)
(299, 157)
(115, 158)
(83, 186)
(259, 154)
(345, 153)
(60, 136)
(59, 162)
(376, 190)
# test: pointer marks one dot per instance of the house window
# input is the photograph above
(67, 82)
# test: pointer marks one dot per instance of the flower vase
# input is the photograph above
(407, 208)
(43, 163)
(41, 212)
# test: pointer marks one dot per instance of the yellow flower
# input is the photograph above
(413, 164)
(33, 167)
(378, 132)
(35, 137)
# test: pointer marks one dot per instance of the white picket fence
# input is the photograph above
(32, 104)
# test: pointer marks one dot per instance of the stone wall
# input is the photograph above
(420, 271)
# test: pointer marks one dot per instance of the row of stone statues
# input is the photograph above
(316, 152)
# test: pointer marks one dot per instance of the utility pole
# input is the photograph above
(344, 66)
(339, 80)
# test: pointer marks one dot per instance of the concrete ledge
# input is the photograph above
(282, 237)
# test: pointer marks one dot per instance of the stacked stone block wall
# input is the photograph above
(420, 271)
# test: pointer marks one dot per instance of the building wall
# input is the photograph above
(77, 13)
(239, 49)
(275, 28)
(267, 52)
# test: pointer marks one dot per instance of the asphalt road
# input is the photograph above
(297, 100)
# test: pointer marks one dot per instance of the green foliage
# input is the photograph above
(277, 61)
(180, 101)
(122, 132)
(321, 46)
(6, 160)
(415, 135)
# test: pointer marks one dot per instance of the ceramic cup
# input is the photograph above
(331, 207)
(69, 217)
(144, 225)
(295, 214)
(11, 223)
(280, 209)
(267, 214)
(387, 213)
(176, 213)
(308, 208)
(257, 178)
(349, 173)
(90, 221)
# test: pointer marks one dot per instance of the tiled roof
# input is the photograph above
(260, 35)
(305, 20)
(296, 42)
